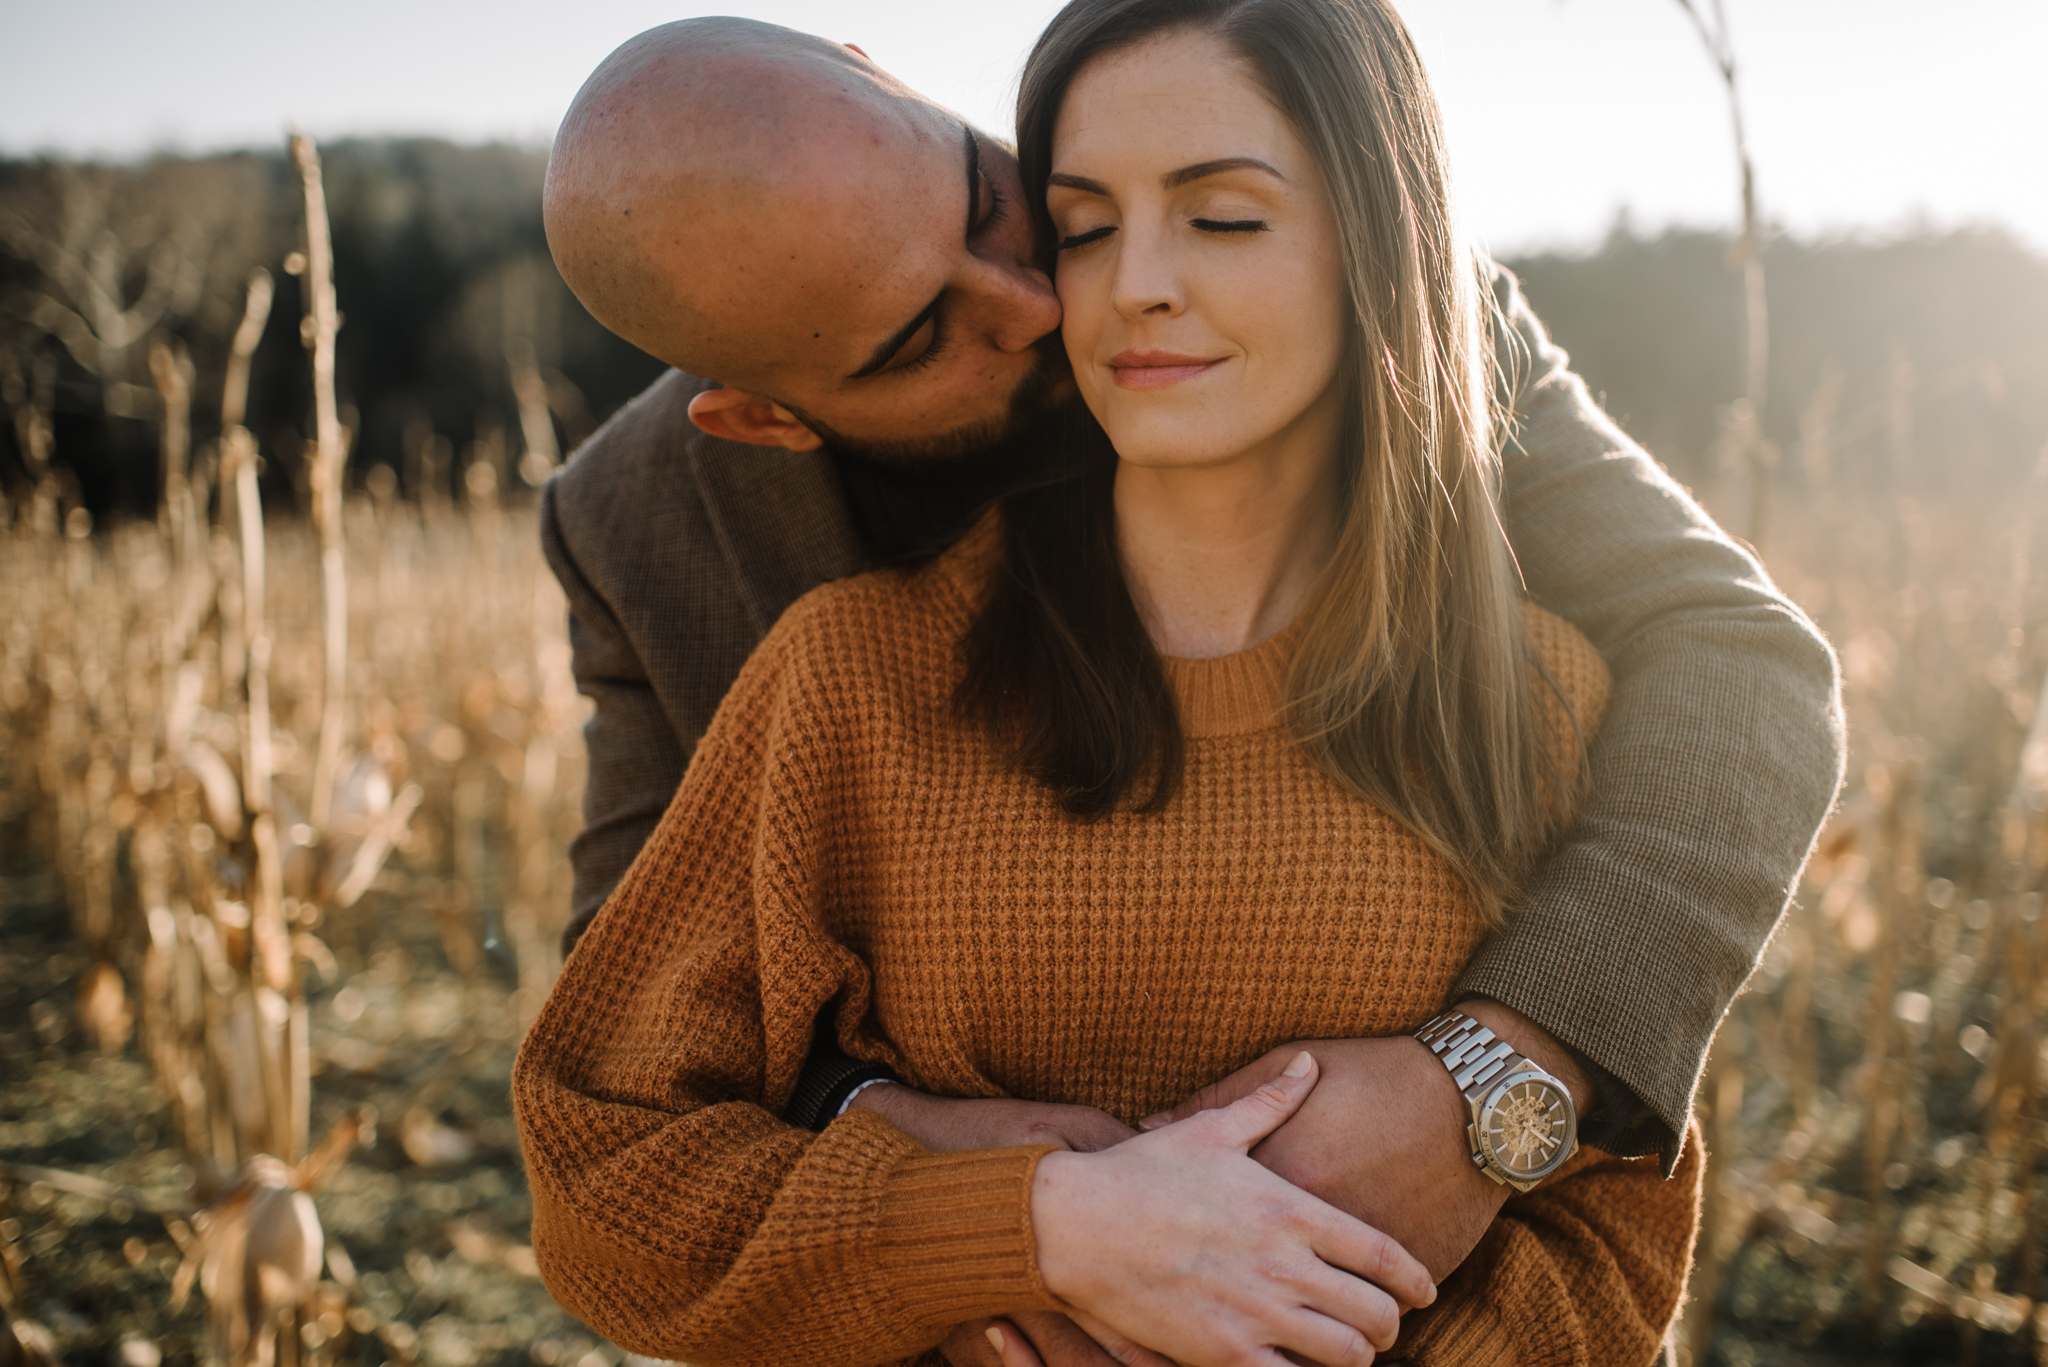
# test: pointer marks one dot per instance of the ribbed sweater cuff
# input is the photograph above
(955, 1241)
(1470, 1333)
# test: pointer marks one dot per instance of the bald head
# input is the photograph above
(717, 173)
(766, 209)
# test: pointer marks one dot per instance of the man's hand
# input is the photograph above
(1039, 1338)
(1382, 1137)
(947, 1124)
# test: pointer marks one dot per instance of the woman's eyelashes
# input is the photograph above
(1220, 226)
(1083, 239)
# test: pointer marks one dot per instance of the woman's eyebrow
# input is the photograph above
(1172, 180)
(1186, 175)
(1081, 183)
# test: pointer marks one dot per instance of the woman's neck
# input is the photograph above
(1220, 557)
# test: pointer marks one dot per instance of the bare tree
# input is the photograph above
(1721, 1087)
(1710, 18)
(89, 297)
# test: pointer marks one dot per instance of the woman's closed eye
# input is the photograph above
(1074, 240)
(1207, 225)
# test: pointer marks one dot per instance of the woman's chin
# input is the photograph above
(1199, 451)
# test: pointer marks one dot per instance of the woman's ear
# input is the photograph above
(737, 415)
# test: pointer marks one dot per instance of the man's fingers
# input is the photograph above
(1119, 1348)
(1011, 1346)
(1078, 1129)
(1092, 1131)
(968, 1346)
(1063, 1343)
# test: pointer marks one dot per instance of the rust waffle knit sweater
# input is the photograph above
(842, 840)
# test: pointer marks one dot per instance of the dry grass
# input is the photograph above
(1875, 1096)
(304, 795)
(205, 865)
(460, 704)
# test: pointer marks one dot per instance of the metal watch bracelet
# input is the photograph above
(1508, 1093)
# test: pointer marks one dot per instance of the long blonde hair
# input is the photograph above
(1413, 684)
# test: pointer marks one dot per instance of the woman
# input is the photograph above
(1234, 733)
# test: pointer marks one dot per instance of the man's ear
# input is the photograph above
(737, 415)
(856, 47)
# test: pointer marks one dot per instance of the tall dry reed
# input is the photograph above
(228, 725)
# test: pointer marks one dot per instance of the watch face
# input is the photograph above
(1528, 1127)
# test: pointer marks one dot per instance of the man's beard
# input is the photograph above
(1001, 450)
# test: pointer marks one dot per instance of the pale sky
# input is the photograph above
(1865, 114)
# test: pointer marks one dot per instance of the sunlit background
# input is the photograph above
(1875, 1100)
(1865, 114)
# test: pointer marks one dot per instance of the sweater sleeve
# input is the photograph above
(1585, 1271)
(1720, 754)
(673, 1211)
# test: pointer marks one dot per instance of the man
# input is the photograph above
(855, 267)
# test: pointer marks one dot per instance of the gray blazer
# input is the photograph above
(1720, 755)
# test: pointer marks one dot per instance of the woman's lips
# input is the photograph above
(1156, 369)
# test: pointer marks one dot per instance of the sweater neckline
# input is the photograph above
(1235, 693)
(1223, 695)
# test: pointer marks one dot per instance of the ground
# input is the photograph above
(440, 1250)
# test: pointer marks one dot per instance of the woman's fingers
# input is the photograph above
(1223, 1091)
(1327, 1342)
(1342, 1313)
(1244, 1122)
(1357, 1248)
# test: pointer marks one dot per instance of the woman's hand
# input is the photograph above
(1179, 1241)
(947, 1124)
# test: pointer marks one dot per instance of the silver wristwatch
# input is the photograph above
(1524, 1125)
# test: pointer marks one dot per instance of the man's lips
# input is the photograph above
(1157, 369)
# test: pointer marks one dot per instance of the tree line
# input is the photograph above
(448, 299)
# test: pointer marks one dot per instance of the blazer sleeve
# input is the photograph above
(1720, 755)
(1585, 1271)
(674, 1211)
(636, 759)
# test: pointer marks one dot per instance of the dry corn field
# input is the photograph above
(283, 817)
(145, 1017)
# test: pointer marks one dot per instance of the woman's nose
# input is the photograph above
(1146, 282)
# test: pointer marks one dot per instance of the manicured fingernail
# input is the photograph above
(995, 1336)
(1155, 1122)
(1303, 1061)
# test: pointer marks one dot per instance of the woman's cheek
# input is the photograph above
(1081, 305)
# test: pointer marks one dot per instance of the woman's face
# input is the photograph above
(1199, 265)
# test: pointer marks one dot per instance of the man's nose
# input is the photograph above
(1017, 304)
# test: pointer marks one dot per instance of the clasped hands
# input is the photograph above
(1379, 1201)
